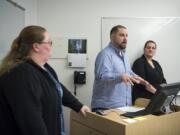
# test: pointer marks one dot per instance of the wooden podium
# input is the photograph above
(114, 124)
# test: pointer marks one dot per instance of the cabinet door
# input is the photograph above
(80, 129)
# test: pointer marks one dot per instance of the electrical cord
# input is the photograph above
(75, 87)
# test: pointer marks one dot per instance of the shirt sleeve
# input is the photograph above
(23, 98)
(104, 69)
(131, 72)
(70, 101)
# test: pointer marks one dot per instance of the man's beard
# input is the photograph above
(122, 46)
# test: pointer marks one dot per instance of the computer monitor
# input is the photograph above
(160, 101)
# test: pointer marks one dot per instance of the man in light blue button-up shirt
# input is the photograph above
(113, 74)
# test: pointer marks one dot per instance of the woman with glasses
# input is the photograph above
(150, 70)
(31, 96)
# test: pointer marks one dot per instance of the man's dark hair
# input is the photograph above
(115, 29)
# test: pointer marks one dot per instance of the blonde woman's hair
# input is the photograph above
(21, 47)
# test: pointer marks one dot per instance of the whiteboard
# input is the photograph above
(164, 31)
(12, 20)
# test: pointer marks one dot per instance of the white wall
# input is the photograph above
(15, 19)
(82, 18)
(12, 18)
(30, 10)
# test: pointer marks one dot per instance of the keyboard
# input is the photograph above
(134, 114)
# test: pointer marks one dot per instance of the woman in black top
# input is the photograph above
(148, 69)
(31, 96)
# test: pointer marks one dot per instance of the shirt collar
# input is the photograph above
(117, 50)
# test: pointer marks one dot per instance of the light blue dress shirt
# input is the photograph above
(109, 91)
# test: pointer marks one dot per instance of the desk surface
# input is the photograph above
(114, 124)
(115, 116)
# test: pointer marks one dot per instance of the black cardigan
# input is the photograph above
(154, 76)
(29, 102)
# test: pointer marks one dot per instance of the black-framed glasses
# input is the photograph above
(48, 42)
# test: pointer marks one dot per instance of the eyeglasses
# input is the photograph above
(153, 48)
(48, 42)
